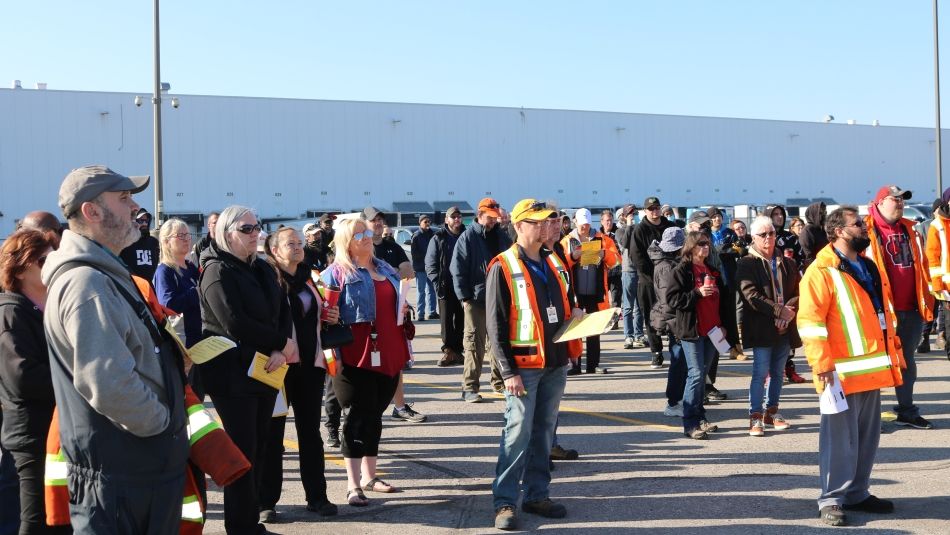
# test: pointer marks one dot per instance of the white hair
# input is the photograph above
(761, 224)
(225, 221)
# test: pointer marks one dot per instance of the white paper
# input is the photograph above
(832, 400)
(718, 338)
(280, 406)
(403, 294)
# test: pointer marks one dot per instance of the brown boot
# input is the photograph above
(449, 358)
(773, 418)
(756, 427)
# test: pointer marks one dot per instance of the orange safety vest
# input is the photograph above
(612, 258)
(938, 255)
(925, 301)
(525, 330)
(841, 330)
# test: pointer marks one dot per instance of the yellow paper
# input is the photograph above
(274, 379)
(210, 348)
(594, 324)
(590, 253)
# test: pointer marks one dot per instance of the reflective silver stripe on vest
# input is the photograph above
(852, 366)
(56, 470)
(850, 320)
(191, 510)
(519, 284)
(200, 423)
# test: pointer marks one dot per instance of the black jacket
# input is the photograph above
(142, 257)
(644, 234)
(759, 309)
(662, 315)
(438, 258)
(418, 245)
(813, 237)
(473, 251)
(682, 296)
(26, 388)
(242, 302)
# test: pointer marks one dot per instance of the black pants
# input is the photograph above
(366, 395)
(592, 343)
(728, 319)
(304, 385)
(30, 467)
(452, 322)
(615, 288)
(331, 406)
(646, 296)
(247, 421)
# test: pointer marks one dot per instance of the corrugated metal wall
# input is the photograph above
(284, 157)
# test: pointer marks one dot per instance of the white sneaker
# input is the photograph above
(639, 343)
(628, 342)
(674, 411)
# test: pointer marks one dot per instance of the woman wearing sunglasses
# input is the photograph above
(26, 389)
(768, 283)
(693, 293)
(242, 301)
(370, 365)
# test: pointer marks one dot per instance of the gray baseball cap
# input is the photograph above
(86, 183)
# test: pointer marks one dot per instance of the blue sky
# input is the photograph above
(855, 59)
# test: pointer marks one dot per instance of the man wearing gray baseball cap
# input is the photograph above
(117, 378)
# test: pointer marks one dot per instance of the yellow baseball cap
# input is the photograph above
(530, 209)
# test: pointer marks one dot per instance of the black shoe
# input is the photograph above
(505, 518)
(323, 509)
(560, 454)
(657, 361)
(872, 504)
(713, 393)
(545, 508)
(333, 438)
(574, 371)
(924, 346)
(832, 515)
(916, 422)
(433, 316)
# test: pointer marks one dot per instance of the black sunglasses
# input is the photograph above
(248, 229)
(763, 235)
(534, 207)
(703, 243)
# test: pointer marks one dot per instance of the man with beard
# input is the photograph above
(480, 242)
(648, 231)
(896, 251)
(850, 337)
(142, 256)
(117, 380)
(438, 258)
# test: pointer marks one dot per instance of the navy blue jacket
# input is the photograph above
(473, 251)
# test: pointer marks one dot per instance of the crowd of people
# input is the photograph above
(103, 414)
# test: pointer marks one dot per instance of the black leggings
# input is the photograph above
(366, 395)
(31, 466)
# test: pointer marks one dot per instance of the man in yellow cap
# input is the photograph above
(526, 303)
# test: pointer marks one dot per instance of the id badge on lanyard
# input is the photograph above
(374, 358)
(882, 321)
(552, 314)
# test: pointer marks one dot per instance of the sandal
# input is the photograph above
(356, 498)
(378, 485)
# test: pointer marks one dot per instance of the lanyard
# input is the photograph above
(776, 285)
(864, 279)
(540, 269)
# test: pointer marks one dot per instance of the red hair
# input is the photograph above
(23, 248)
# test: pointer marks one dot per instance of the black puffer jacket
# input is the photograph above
(662, 315)
(682, 297)
(26, 388)
(242, 302)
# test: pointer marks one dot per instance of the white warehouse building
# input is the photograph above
(288, 157)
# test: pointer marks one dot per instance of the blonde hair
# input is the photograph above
(344, 235)
(169, 227)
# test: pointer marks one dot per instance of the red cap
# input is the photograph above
(489, 206)
(891, 191)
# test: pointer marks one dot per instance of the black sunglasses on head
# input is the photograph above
(248, 229)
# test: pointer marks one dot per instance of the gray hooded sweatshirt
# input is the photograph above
(108, 353)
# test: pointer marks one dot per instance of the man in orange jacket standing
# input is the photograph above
(895, 249)
(526, 303)
(850, 335)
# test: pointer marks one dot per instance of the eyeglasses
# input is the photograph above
(181, 236)
(764, 235)
(857, 224)
(455, 216)
(702, 244)
(652, 208)
(360, 236)
(249, 229)
(895, 200)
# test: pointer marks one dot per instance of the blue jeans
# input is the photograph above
(527, 436)
(699, 355)
(425, 295)
(632, 317)
(676, 375)
(768, 361)
(909, 325)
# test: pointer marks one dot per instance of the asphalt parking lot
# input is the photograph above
(637, 473)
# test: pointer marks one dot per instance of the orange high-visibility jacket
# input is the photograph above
(841, 330)
(938, 253)
(525, 330)
(612, 259)
(925, 301)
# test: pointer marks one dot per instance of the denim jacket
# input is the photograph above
(358, 296)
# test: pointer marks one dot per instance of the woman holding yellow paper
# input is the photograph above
(303, 385)
(371, 363)
(242, 300)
